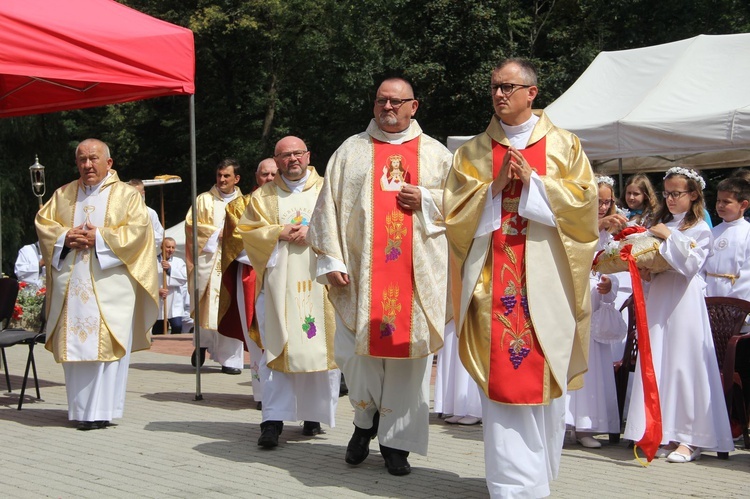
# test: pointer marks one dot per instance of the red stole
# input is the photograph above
(392, 283)
(518, 372)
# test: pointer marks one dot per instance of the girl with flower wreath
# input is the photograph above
(693, 411)
(593, 409)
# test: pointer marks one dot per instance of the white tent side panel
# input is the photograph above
(673, 100)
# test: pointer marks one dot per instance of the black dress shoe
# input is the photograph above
(87, 425)
(311, 428)
(269, 434)
(259, 406)
(104, 424)
(359, 445)
(395, 460)
(193, 358)
(230, 370)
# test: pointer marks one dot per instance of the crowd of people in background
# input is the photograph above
(400, 252)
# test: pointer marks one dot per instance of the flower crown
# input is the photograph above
(605, 180)
(678, 170)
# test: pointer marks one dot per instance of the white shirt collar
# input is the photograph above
(296, 185)
(519, 135)
(94, 189)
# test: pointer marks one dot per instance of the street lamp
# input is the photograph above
(37, 180)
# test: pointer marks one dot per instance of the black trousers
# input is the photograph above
(174, 322)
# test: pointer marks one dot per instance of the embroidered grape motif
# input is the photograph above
(509, 302)
(517, 357)
(386, 329)
(309, 327)
(393, 254)
(525, 305)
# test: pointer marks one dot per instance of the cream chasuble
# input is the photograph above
(211, 208)
(94, 308)
(83, 325)
(299, 322)
(559, 258)
(342, 230)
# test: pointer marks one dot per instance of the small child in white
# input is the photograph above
(728, 269)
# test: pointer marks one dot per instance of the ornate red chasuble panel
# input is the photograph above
(517, 366)
(392, 282)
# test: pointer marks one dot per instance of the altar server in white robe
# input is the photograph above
(101, 287)
(174, 292)
(29, 267)
(593, 408)
(456, 393)
(155, 223)
(295, 319)
(728, 267)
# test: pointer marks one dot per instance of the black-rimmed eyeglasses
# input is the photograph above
(673, 194)
(507, 88)
(395, 103)
(288, 155)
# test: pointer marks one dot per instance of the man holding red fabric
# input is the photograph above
(378, 230)
(522, 191)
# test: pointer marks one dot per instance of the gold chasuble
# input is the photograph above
(391, 270)
(211, 211)
(299, 320)
(521, 294)
(92, 312)
(229, 321)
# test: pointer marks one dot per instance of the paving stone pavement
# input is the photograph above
(170, 445)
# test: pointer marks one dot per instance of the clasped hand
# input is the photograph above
(81, 237)
(514, 166)
(295, 234)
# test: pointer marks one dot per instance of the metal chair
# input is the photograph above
(10, 337)
(727, 316)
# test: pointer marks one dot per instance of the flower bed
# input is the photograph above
(28, 311)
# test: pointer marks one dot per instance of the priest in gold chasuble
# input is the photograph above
(102, 288)
(299, 375)
(378, 229)
(211, 211)
(521, 210)
(237, 296)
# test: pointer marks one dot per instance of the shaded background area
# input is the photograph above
(266, 69)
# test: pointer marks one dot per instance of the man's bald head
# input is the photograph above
(266, 171)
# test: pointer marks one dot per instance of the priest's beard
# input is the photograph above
(387, 119)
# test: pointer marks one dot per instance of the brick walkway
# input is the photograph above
(170, 445)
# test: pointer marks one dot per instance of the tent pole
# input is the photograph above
(619, 163)
(196, 290)
(1, 237)
(163, 274)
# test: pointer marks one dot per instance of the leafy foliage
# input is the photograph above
(269, 68)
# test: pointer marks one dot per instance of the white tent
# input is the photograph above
(684, 103)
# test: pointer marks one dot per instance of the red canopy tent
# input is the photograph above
(60, 55)
(84, 53)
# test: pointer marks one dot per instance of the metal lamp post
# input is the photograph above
(38, 185)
